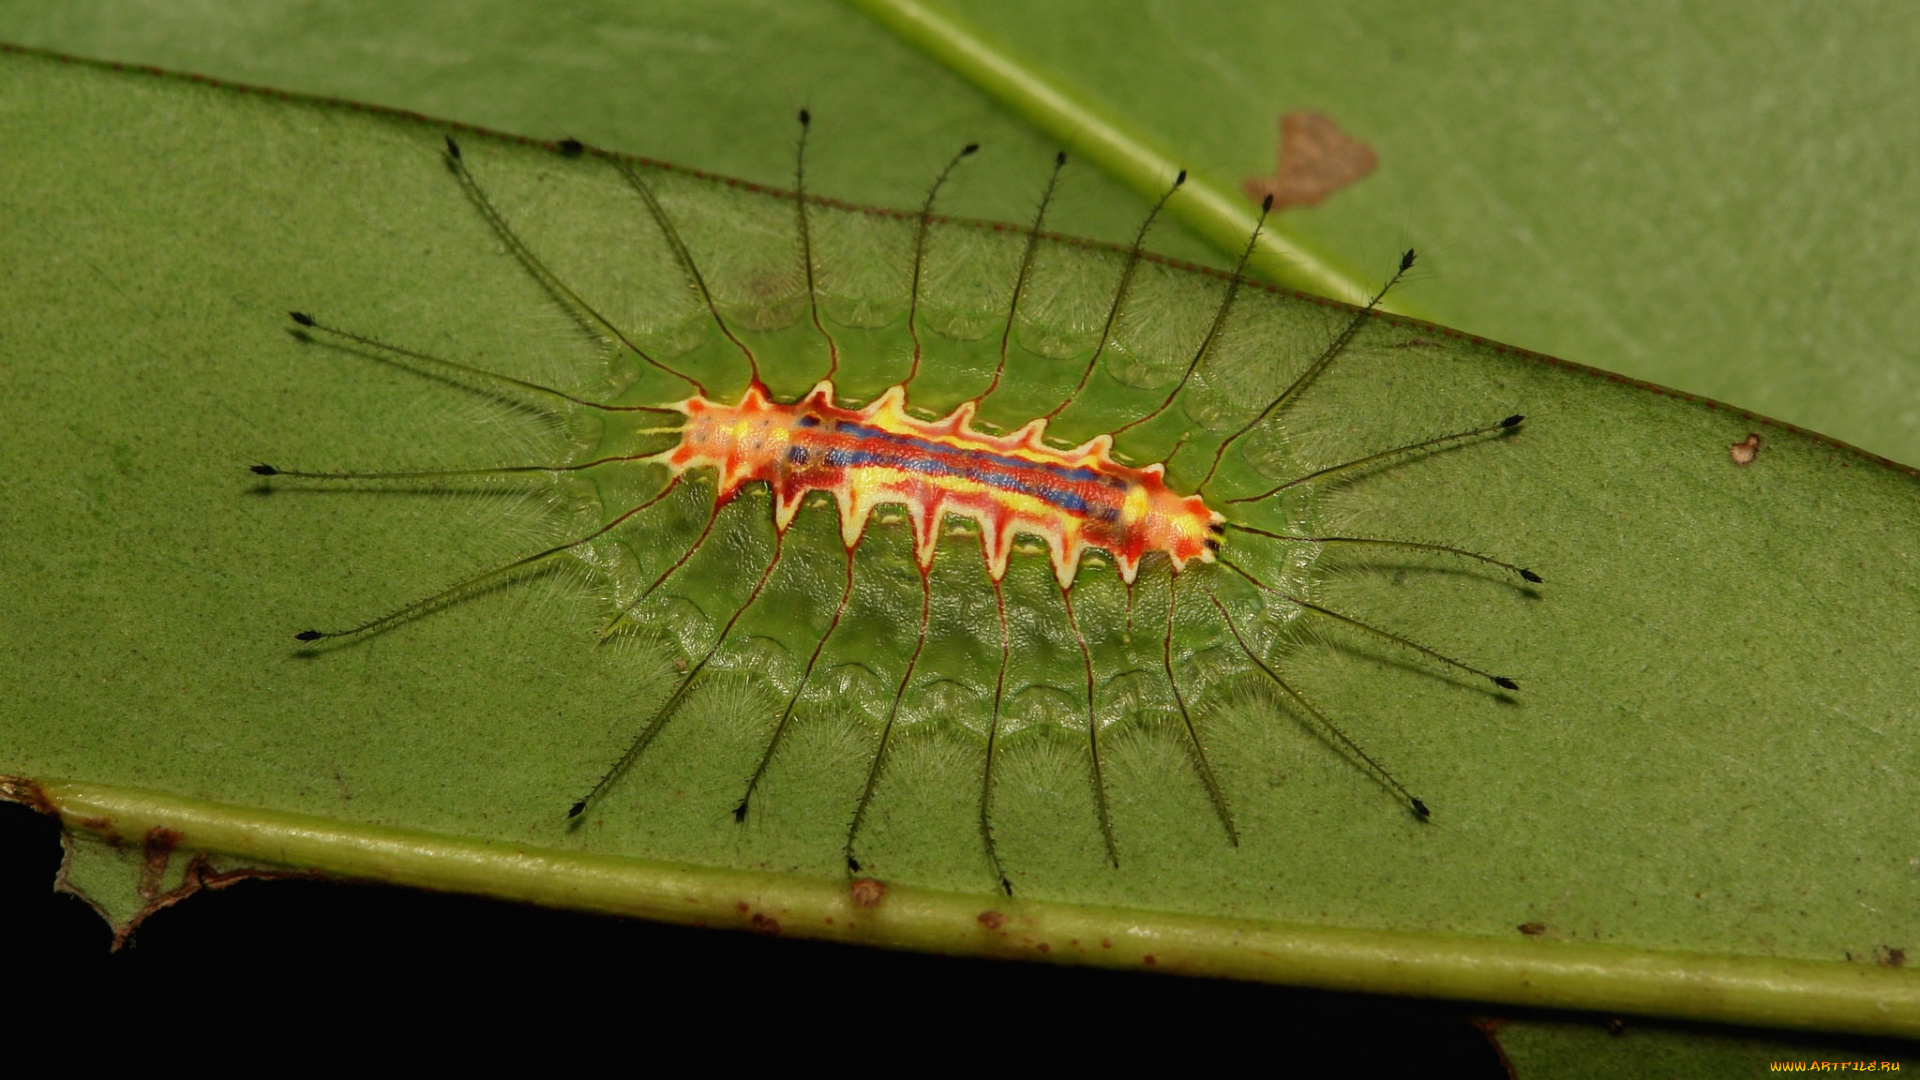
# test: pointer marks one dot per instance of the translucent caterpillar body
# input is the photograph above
(1221, 621)
(1009, 484)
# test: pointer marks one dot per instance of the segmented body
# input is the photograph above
(1009, 484)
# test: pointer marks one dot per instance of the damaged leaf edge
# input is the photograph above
(1805, 994)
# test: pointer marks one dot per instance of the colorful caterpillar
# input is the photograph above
(1073, 499)
(942, 471)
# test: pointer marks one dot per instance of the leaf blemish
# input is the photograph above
(867, 892)
(1317, 158)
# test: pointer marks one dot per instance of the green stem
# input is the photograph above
(1820, 995)
(1217, 212)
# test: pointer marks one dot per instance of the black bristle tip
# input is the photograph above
(740, 814)
(453, 148)
(263, 470)
(576, 809)
(1266, 204)
(1420, 809)
(1006, 886)
(805, 118)
(1406, 261)
(1512, 421)
(1529, 575)
(308, 635)
(1505, 683)
(1180, 179)
(1060, 160)
(970, 148)
(301, 317)
(853, 864)
(571, 147)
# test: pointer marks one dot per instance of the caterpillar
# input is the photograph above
(1122, 454)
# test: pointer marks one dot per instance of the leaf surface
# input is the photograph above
(1647, 802)
(1714, 209)
(1718, 211)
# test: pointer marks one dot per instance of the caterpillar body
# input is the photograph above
(1073, 499)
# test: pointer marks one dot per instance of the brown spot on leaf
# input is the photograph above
(1744, 451)
(158, 851)
(1316, 160)
(1148, 960)
(1533, 929)
(992, 920)
(867, 892)
(765, 924)
(27, 793)
(1888, 956)
(1045, 948)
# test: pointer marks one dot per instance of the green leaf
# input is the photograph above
(1715, 202)
(1212, 208)
(1717, 210)
(1675, 577)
